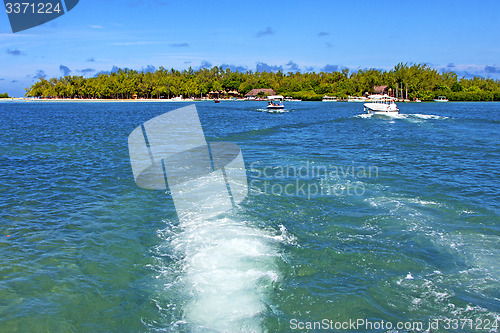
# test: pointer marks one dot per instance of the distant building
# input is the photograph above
(214, 94)
(380, 90)
(233, 93)
(254, 92)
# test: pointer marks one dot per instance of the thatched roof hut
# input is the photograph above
(380, 90)
(254, 92)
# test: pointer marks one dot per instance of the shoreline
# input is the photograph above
(97, 100)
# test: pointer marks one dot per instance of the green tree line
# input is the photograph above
(4, 95)
(419, 80)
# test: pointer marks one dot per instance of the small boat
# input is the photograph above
(381, 104)
(417, 100)
(329, 99)
(356, 99)
(441, 99)
(291, 99)
(275, 102)
(217, 100)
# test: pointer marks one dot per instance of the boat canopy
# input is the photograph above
(273, 97)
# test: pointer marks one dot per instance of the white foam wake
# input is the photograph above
(427, 116)
(407, 116)
(228, 270)
(364, 115)
(477, 251)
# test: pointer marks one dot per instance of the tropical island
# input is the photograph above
(4, 95)
(419, 81)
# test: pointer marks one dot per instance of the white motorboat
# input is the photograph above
(329, 99)
(441, 99)
(381, 104)
(275, 102)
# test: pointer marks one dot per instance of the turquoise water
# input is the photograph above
(348, 217)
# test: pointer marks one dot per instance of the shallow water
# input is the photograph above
(348, 217)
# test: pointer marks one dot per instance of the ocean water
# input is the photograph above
(382, 221)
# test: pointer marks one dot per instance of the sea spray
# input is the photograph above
(228, 270)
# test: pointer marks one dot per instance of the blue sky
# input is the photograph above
(462, 36)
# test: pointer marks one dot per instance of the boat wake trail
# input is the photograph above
(427, 116)
(464, 271)
(221, 277)
(216, 270)
(410, 117)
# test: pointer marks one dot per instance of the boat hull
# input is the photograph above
(388, 113)
(381, 108)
